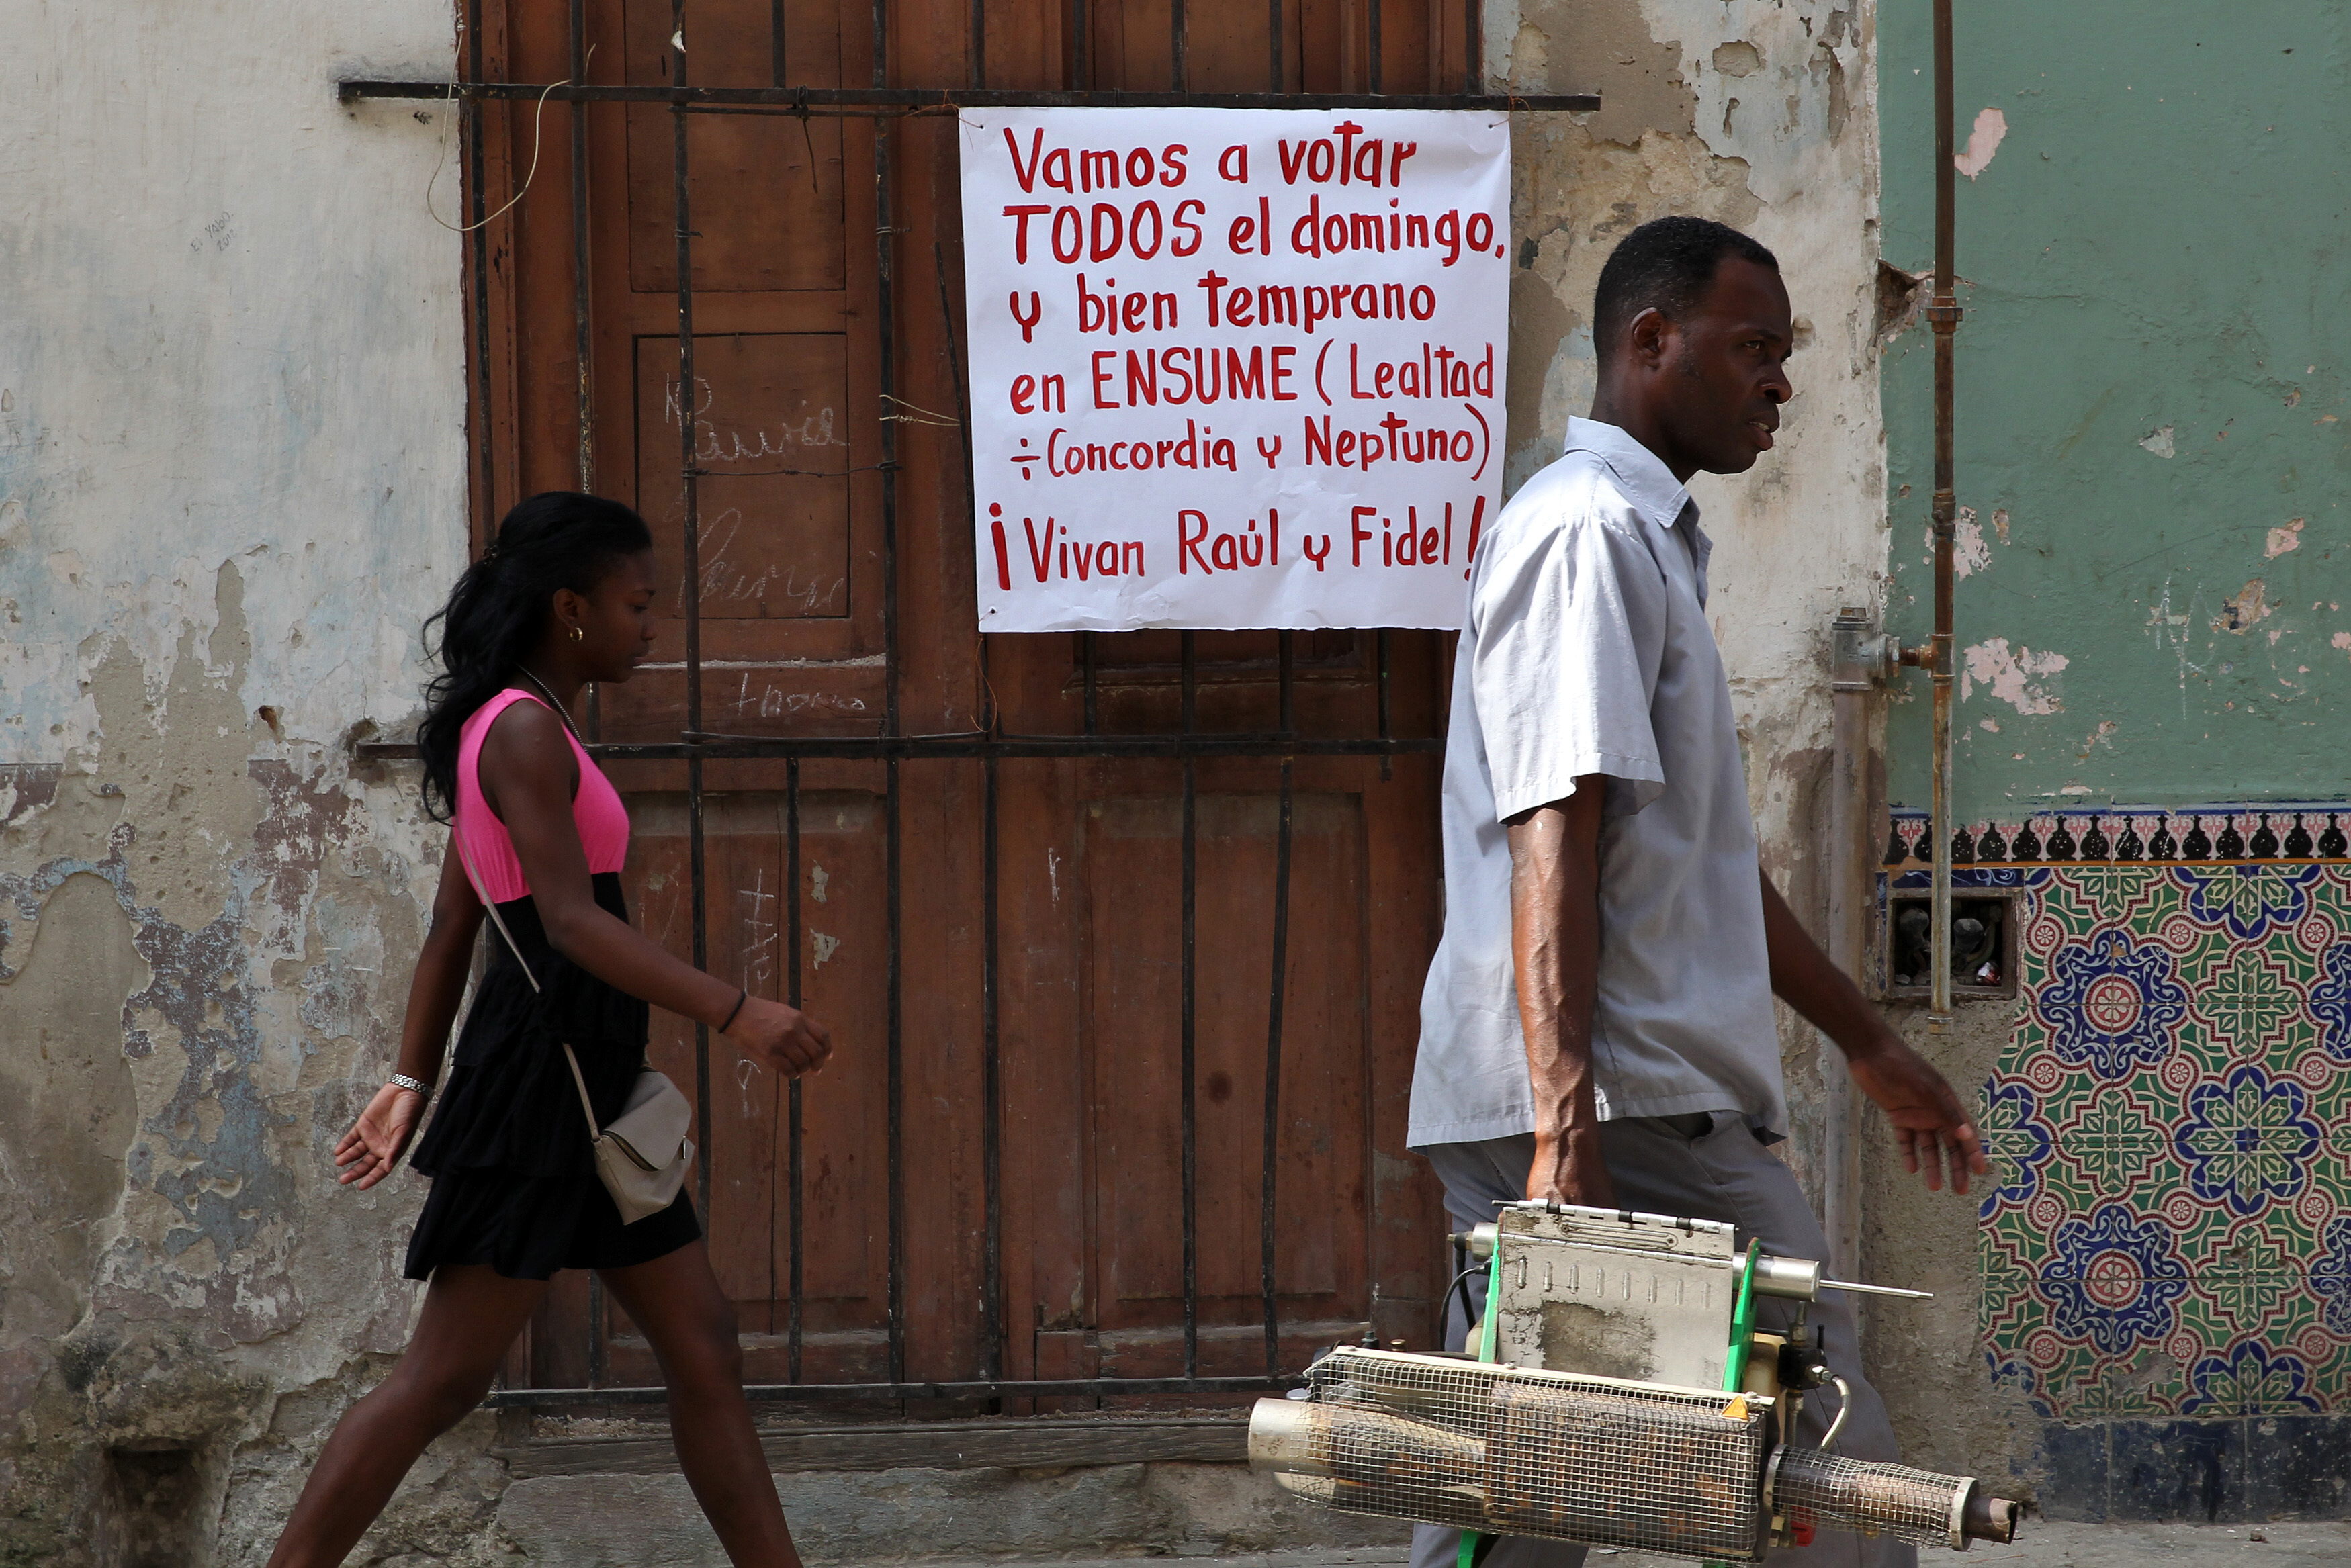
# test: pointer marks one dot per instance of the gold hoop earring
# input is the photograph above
(577, 635)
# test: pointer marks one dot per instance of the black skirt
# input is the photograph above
(514, 1174)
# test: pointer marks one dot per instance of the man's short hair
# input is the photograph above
(1665, 264)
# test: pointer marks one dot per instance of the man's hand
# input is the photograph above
(1934, 1131)
(1567, 1168)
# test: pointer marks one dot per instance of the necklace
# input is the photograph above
(552, 702)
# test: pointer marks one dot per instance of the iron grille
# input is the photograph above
(886, 101)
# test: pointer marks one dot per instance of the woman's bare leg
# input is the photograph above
(471, 1317)
(677, 1301)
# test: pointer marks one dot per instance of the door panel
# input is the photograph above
(842, 967)
(771, 435)
(767, 194)
(1133, 867)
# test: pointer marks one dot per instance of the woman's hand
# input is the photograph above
(379, 1137)
(783, 1038)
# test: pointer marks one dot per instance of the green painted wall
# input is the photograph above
(2158, 259)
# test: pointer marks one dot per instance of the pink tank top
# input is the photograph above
(596, 809)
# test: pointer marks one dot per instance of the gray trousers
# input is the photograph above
(1695, 1168)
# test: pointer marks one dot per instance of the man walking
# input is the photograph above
(1597, 1026)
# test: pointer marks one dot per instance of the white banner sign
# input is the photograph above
(1233, 367)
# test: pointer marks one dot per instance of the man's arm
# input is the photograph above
(1915, 1098)
(1555, 947)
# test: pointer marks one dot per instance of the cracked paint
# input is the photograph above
(2010, 676)
(2104, 735)
(252, 896)
(1984, 137)
(1970, 553)
(2242, 610)
(2172, 469)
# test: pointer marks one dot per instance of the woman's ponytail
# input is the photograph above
(498, 611)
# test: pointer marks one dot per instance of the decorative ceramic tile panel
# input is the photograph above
(2169, 1233)
(2291, 830)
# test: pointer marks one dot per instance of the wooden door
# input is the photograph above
(990, 1180)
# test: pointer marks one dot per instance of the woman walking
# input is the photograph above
(563, 597)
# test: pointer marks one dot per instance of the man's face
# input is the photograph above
(1724, 371)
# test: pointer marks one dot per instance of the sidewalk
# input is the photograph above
(2041, 1545)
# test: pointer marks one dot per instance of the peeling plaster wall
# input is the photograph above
(2154, 402)
(232, 482)
(1762, 116)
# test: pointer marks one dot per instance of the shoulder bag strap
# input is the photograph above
(474, 881)
(587, 1106)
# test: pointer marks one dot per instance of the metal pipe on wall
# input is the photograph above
(1862, 659)
(1858, 665)
(1943, 314)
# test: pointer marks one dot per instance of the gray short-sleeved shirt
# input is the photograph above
(1587, 651)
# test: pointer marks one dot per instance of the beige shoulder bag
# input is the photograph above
(643, 1154)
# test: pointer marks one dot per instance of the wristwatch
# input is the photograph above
(415, 1085)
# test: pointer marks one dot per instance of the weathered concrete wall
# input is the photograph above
(1929, 1356)
(1762, 116)
(231, 484)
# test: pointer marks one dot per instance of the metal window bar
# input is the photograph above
(794, 1185)
(1286, 719)
(690, 476)
(470, 124)
(886, 326)
(891, 747)
(1191, 1069)
(582, 325)
(991, 1060)
(888, 103)
(582, 339)
(892, 102)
